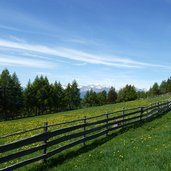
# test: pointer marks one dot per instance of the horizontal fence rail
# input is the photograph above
(52, 142)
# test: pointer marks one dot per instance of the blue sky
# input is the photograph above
(101, 42)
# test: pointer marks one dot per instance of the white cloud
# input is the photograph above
(79, 41)
(9, 28)
(13, 61)
(16, 39)
(78, 55)
(81, 64)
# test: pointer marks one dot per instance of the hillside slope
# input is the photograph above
(23, 124)
(143, 149)
(8, 127)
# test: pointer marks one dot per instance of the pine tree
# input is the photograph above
(102, 97)
(11, 95)
(58, 97)
(127, 93)
(5, 80)
(16, 95)
(154, 90)
(75, 95)
(29, 99)
(169, 85)
(163, 87)
(112, 95)
(141, 94)
(42, 89)
(90, 99)
(68, 97)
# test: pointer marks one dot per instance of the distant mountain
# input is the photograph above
(96, 88)
(137, 89)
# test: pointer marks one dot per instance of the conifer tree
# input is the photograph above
(112, 95)
(75, 95)
(154, 90)
(127, 93)
(11, 95)
(58, 97)
(102, 97)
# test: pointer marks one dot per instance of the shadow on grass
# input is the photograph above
(54, 162)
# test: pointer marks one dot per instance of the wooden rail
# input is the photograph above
(52, 142)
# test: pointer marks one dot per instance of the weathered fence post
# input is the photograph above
(45, 130)
(158, 106)
(151, 106)
(167, 105)
(107, 115)
(152, 110)
(123, 117)
(164, 107)
(141, 113)
(84, 135)
(147, 109)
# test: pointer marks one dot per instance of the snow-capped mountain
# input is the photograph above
(96, 88)
(144, 89)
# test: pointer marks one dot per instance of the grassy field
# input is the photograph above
(9, 127)
(142, 149)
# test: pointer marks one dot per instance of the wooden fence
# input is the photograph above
(80, 132)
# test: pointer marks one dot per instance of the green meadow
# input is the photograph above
(146, 148)
(133, 150)
(8, 127)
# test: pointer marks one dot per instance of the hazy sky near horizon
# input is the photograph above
(101, 42)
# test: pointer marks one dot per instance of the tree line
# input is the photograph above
(40, 97)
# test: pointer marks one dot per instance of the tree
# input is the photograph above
(42, 89)
(154, 90)
(127, 93)
(112, 95)
(57, 96)
(102, 97)
(90, 99)
(72, 96)
(5, 81)
(39, 91)
(16, 95)
(11, 95)
(141, 94)
(68, 99)
(169, 85)
(163, 87)
(29, 98)
(75, 95)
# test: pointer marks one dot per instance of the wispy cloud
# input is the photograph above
(13, 61)
(10, 28)
(79, 41)
(26, 30)
(83, 41)
(16, 39)
(80, 64)
(14, 15)
(79, 55)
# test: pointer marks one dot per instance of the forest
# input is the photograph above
(41, 97)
